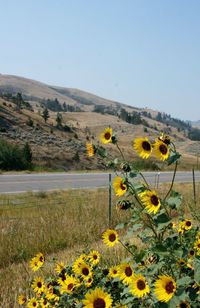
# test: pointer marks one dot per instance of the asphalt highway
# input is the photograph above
(18, 183)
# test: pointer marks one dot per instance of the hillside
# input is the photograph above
(65, 146)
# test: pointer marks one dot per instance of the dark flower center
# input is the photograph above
(192, 252)
(146, 146)
(114, 272)
(39, 284)
(99, 303)
(107, 136)
(154, 200)
(112, 237)
(141, 284)
(198, 245)
(163, 149)
(70, 286)
(95, 257)
(122, 186)
(34, 304)
(188, 223)
(85, 271)
(183, 305)
(128, 271)
(41, 259)
(169, 287)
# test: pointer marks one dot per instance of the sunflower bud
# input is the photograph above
(123, 204)
(125, 167)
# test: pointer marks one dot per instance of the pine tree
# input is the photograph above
(45, 114)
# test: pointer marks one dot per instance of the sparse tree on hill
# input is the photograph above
(45, 114)
(59, 120)
(27, 153)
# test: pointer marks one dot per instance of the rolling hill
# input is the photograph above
(84, 115)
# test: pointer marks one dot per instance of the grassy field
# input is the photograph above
(60, 224)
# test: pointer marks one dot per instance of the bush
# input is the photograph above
(12, 157)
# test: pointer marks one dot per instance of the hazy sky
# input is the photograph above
(144, 53)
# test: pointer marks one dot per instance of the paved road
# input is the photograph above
(51, 181)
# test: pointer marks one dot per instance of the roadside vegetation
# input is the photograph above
(61, 224)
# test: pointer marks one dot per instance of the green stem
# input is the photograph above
(120, 151)
(144, 179)
(172, 183)
(126, 248)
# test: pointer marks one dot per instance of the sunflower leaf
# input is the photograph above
(173, 158)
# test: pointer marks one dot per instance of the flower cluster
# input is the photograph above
(163, 270)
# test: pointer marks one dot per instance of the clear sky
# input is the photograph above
(145, 53)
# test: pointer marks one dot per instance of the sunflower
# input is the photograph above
(94, 257)
(110, 237)
(181, 227)
(119, 187)
(77, 263)
(114, 271)
(143, 147)
(22, 299)
(44, 303)
(38, 285)
(106, 135)
(150, 200)
(126, 273)
(165, 287)
(59, 267)
(52, 294)
(88, 282)
(32, 303)
(90, 149)
(181, 263)
(183, 304)
(85, 270)
(197, 246)
(37, 262)
(97, 299)
(161, 149)
(69, 285)
(139, 286)
(187, 224)
(62, 279)
(191, 253)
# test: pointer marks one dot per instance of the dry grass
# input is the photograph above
(61, 225)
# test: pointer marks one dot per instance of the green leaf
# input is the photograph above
(197, 271)
(173, 158)
(174, 201)
(183, 282)
(133, 174)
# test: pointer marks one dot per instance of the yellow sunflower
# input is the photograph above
(94, 257)
(37, 262)
(59, 267)
(143, 147)
(88, 282)
(161, 149)
(44, 303)
(187, 224)
(139, 286)
(150, 200)
(38, 285)
(106, 135)
(62, 279)
(85, 270)
(77, 263)
(51, 294)
(22, 299)
(197, 246)
(97, 299)
(114, 271)
(32, 303)
(110, 237)
(119, 187)
(165, 288)
(126, 273)
(90, 149)
(69, 285)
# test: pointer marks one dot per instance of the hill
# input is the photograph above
(83, 116)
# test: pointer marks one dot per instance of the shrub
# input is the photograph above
(12, 157)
